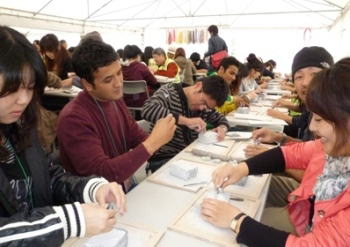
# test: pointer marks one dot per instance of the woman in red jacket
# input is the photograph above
(319, 208)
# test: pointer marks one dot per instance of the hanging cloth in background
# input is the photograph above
(201, 36)
(185, 37)
(181, 37)
(195, 40)
(189, 34)
(168, 35)
(173, 36)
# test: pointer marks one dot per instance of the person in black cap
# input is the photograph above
(306, 63)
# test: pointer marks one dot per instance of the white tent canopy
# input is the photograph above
(271, 28)
(143, 14)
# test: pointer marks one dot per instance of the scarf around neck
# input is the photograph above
(334, 178)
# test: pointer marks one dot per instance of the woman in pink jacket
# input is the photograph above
(319, 208)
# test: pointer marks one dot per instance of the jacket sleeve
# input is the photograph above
(215, 118)
(225, 46)
(46, 226)
(67, 188)
(210, 48)
(298, 155)
(158, 106)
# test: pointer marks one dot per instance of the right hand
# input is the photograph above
(196, 124)
(98, 219)
(278, 103)
(229, 174)
(265, 135)
(67, 83)
(161, 134)
(253, 150)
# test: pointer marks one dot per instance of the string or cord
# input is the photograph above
(115, 150)
(26, 178)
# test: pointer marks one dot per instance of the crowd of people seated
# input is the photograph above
(68, 192)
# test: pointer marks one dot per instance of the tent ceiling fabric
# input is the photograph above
(143, 14)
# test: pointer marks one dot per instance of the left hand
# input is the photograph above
(275, 113)
(218, 213)
(221, 130)
(111, 192)
(252, 150)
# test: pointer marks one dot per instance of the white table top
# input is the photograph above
(257, 115)
(156, 206)
(163, 79)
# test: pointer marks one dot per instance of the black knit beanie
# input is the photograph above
(313, 56)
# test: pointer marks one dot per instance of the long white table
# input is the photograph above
(154, 206)
(257, 116)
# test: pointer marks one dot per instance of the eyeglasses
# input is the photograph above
(203, 101)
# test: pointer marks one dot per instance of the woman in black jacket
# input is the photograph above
(40, 204)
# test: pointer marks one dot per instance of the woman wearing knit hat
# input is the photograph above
(319, 209)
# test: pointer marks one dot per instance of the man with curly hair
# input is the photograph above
(96, 133)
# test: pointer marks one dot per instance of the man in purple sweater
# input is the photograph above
(96, 133)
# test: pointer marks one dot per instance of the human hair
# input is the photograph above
(50, 43)
(120, 53)
(131, 51)
(159, 51)
(91, 55)
(17, 54)
(94, 35)
(147, 54)
(272, 62)
(62, 41)
(36, 42)
(195, 57)
(216, 88)
(328, 96)
(213, 29)
(254, 63)
(242, 73)
(228, 61)
(71, 49)
(180, 52)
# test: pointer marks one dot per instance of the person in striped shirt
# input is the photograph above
(193, 108)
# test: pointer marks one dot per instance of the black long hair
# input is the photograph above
(17, 56)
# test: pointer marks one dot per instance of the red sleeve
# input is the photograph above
(82, 152)
(298, 155)
(170, 72)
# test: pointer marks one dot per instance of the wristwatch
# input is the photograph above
(234, 221)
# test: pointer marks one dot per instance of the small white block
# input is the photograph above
(114, 238)
(208, 137)
(183, 171)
